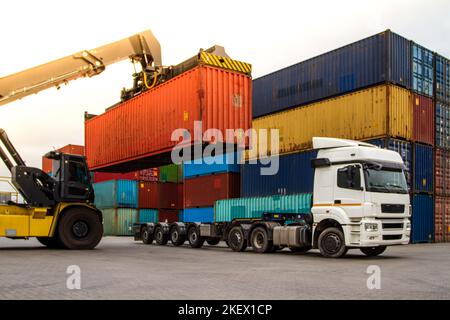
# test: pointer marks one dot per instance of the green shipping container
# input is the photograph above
(171, 173)
(117, 222)
(230, 209)
(148, 215)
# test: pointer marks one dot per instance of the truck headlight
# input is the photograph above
(371, 227)
(408, 226)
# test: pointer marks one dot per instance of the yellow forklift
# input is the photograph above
(59, 210)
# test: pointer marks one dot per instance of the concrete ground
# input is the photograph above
(123, 269)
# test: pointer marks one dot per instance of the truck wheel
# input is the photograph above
(176, 237)
(213, 242)
(161, 238)
(194, 238)
(332, 243)
(147, 236)
(51, 243)
(373, 251)
(236, 239)
(79, 228)
(300, 249)
(260, 240)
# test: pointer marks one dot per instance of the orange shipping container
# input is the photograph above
(141, 128)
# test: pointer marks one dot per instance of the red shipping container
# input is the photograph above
(442, 172)
(204, 191)
(141, 128)
(442, 219)
(424, 119)
(69, 149)
(158, 195)
(142, 175)
(168, 215)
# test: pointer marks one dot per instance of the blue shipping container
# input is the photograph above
(403, 148)
(423, 168)
(294, 175)
(442, 79)
(223, 163)
(148, 215)
(116, 194)
(385, 57)
(442, 125)
(422, 229)
(423, 70)
(204, 215)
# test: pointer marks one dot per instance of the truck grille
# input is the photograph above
(393, 226)
(392, 237)
(393, 208)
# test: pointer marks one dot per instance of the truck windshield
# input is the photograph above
(387, 180)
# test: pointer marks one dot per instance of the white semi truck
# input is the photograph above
(360, 201)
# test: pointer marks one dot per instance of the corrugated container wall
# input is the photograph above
(380, 111)
(424, 117)
(442, 172)
(142, 175)
(294, 175)
(423, 70)
(228, 210)
(117, 222)
(404, 148)
(169, 216)
(385, 57)
(442, 79)
(116, 193)
(442, 219)
(221, 99)
(422, 218)
(148, 215)
(171, 173)
(423, 168)
(204, 215)
(159, 195)
(442, 125)
(224, 163)
(204, 191)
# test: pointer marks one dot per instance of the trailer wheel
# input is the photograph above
(236, 239)
(79, 228)
(160, 238)
(260, 240)
(332, 243)
(176, 237)
(195, 240)
(373, 251)
(147, 236)
(213, 242)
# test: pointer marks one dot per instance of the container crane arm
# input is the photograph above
(142, 47)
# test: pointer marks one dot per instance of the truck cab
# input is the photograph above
(360, 198)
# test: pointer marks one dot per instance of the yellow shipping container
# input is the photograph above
(385, 110)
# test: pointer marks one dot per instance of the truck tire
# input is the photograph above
(51, 243)
(79, 229)
(194, 238)
(213, 242)
(332, 243)
(259, 240)
(160, 238)
(373, 251)
(236, 239)
(300, 249)
(147, 236)
(176, 237)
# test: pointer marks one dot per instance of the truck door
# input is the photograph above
(349, 190)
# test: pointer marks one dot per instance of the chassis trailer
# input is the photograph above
(360, 201)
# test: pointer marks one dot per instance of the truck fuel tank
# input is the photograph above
(292, 236)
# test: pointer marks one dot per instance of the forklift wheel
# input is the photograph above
(80, 228)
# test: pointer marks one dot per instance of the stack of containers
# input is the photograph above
(442, 151)
(161, 201)
(207, 180)
(118, 201)
(379, 89)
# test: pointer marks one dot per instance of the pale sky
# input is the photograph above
(268, 34)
